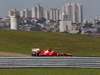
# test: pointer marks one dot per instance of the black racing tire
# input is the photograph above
(33, 54)
(62, 55)
(41, 55)
(36, 54)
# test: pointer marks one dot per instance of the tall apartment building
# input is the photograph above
(13, 23)
(25, 13)
(46, 13)
(37, 11)
(13, 15)
(73, 12)
(12, 12)
(54, 14)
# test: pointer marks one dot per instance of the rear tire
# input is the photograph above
(62, 55)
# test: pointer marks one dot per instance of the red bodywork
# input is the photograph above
(49, 52)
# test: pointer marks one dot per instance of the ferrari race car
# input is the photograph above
(48, 52)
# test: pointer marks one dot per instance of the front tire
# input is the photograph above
(36, 54)
(33, 54)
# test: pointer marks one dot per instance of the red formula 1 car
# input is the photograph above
(48, 52)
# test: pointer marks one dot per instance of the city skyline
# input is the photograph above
(71, 11)
(90, 7)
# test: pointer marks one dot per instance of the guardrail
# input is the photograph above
(31, 62)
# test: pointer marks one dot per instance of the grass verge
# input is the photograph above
(23, 42)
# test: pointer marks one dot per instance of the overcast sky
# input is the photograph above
(91, 7)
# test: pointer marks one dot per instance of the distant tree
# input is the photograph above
(41, 20)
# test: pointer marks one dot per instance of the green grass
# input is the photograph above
(23, 42)
(50, 71)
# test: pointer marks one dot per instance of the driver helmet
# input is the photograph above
(36, 49)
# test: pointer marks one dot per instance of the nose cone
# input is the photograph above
(68, 54)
